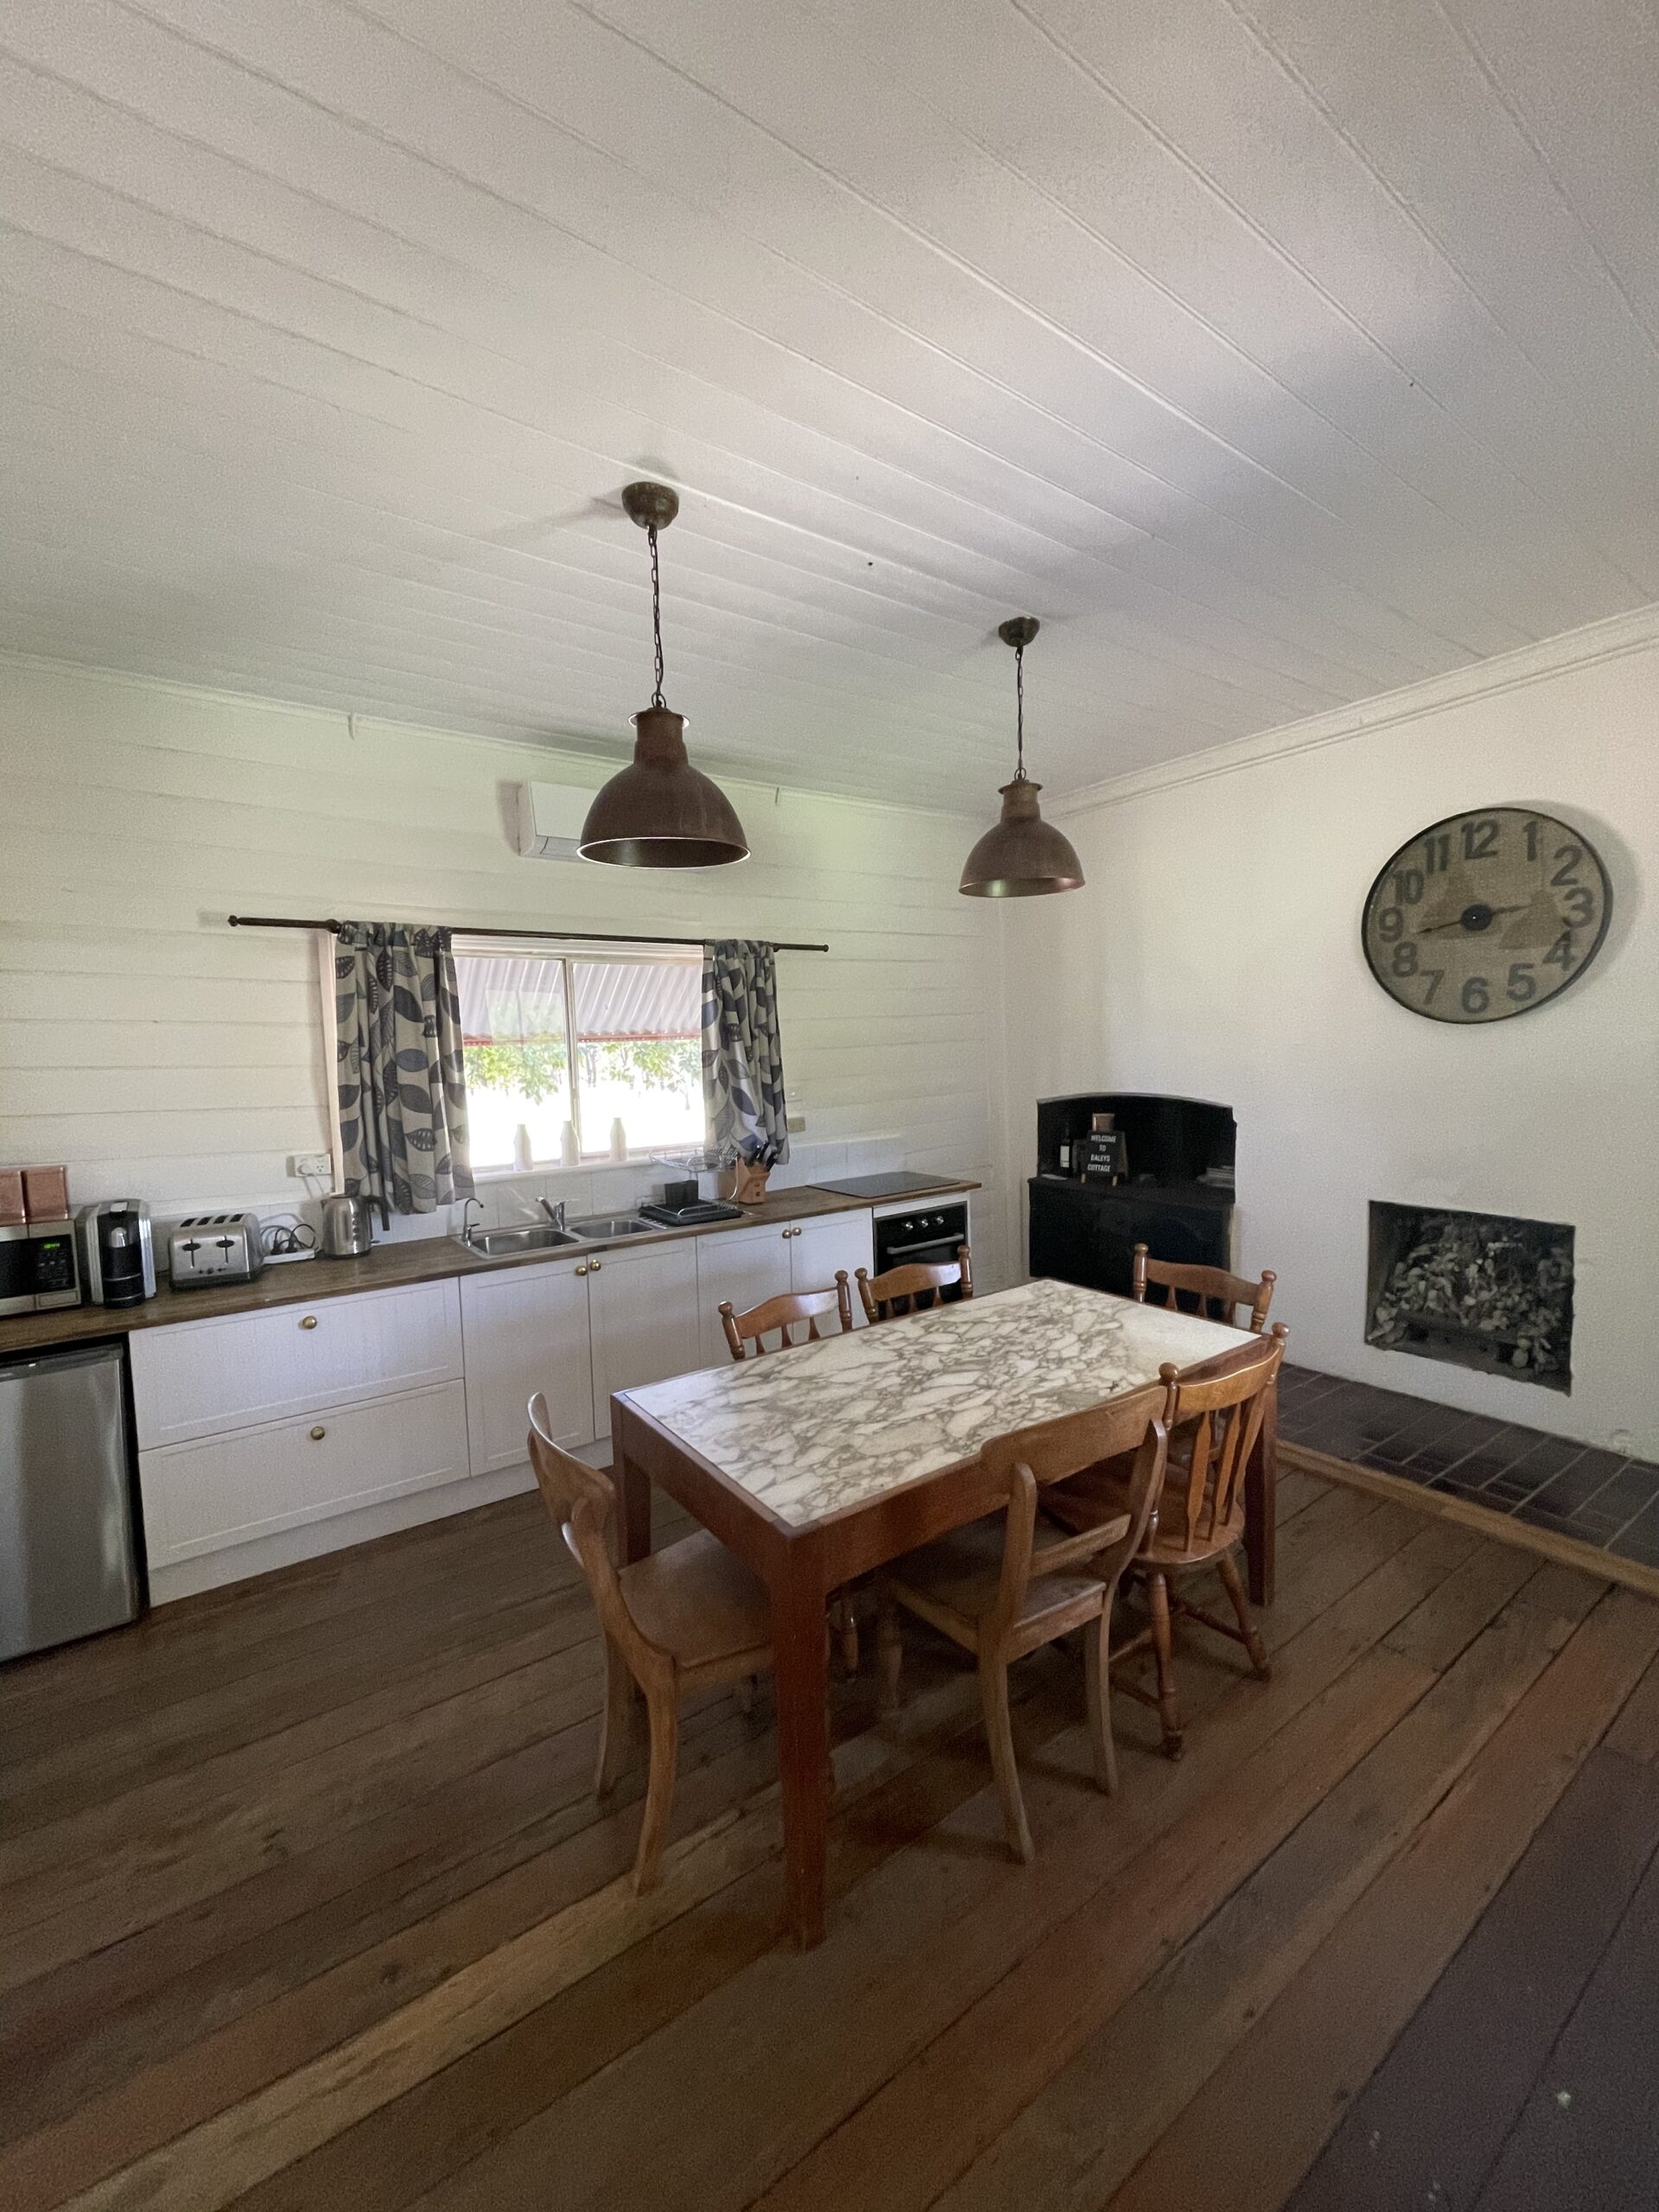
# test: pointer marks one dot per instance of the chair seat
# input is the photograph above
(1096, 1495)
(1174, 1550)
(697, 1599)
(959, 1573)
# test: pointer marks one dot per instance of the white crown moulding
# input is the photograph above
(1611, 638)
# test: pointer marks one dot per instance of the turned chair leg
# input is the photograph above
(994, 1695)
(615, 1721)
(1163, 1645)
(662, 1704)
(1233, 1583)
(1098, 1675)
(889, 1652)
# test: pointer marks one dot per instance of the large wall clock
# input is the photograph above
(1486, 914)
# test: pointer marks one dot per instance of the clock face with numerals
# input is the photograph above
(1486, 914)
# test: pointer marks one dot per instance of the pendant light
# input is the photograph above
(1023, 855)
(660, 812)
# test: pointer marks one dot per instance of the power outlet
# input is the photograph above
(795, 1124)
(311, 1167)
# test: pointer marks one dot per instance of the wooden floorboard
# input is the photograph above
(305, 1902)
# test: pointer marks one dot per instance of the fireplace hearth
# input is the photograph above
(1485, 1291)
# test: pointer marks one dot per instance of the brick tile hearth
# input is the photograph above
(1576, 1490)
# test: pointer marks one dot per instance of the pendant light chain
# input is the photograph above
(657, 698)
(1020, 712)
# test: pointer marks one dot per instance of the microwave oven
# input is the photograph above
(38, 1267)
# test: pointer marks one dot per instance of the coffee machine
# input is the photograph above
(118, 1257)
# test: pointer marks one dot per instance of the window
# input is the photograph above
(585, 1038)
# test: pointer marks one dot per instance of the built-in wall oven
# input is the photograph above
(925, 1233)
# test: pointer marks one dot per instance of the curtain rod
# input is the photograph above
(538, 936)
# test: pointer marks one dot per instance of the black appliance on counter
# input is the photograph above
(1177, 1197)
(117, 1253)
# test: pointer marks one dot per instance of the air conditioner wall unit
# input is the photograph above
(550, 816)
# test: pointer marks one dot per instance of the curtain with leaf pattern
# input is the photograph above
(402, 1096)
(743, 1054)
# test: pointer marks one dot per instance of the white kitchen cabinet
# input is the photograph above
(746, 1266)
(642, 1306)
(236, 1370)
(819, 1248)
(249, 1483)
(527, 1330)
(750, 1265)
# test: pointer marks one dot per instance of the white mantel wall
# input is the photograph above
(166, 1057)
(1215, 952)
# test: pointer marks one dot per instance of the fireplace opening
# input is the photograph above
(1481, 1290)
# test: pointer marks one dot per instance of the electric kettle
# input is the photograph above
(347, 1227)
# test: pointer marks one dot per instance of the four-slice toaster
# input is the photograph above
(207, 1248)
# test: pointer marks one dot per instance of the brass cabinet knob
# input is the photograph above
(581, 1268)
(592, 1267)
(309, 1322)
(318, 1433)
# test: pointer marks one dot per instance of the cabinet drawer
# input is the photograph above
(230, 1488)
(192, 1378)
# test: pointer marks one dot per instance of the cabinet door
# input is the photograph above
(745, 1265)
(527, 1330)
(218, 1490)
(643, 1309)
(819, 1248)
(192, 1378)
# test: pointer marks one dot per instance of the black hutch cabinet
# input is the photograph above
(1176, 1197)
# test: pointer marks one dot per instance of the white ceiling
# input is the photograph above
(1273, 352)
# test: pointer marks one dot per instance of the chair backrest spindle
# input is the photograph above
(1207, 1288)
(745, 1333)
(915, 1288)
(1223, 1403)
(1028, 1460)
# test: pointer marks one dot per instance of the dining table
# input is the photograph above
(820, 1462)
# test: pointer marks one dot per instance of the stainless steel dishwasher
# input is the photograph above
(68, 1562)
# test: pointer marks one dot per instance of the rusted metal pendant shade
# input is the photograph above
(1022, 856)
(659, 811)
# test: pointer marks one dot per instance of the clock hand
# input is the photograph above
(1458, 922)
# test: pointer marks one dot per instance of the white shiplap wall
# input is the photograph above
(166, 1057)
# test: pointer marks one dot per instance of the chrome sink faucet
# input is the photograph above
(555, 1213)
(467, 1224)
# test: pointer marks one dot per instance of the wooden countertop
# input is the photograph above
(426, 1259)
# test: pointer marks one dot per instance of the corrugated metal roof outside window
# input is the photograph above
(504, 1000)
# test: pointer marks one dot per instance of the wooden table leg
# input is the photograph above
(1261, 1504)
(632, 1494)
(801, 1667)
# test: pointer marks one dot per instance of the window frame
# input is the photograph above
(478, 945)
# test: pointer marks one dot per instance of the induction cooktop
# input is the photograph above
(899, 1183)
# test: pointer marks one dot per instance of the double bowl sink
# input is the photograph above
(543, 1236)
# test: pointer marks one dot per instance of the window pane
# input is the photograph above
(514, 1050)
(640, 1040)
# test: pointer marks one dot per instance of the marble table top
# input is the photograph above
(814, 1430)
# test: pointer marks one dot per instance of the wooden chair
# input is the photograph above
(1007, 1584)
(1214, 1417)
(1209, 1287)
(689, 1617)
(745, 1333)
(901, 1290)
(745, 1336)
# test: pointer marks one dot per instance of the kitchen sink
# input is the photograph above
(500, 1243)
(599, 1228)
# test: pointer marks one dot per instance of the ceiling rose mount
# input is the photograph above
(1021, 856)
(659, 811)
